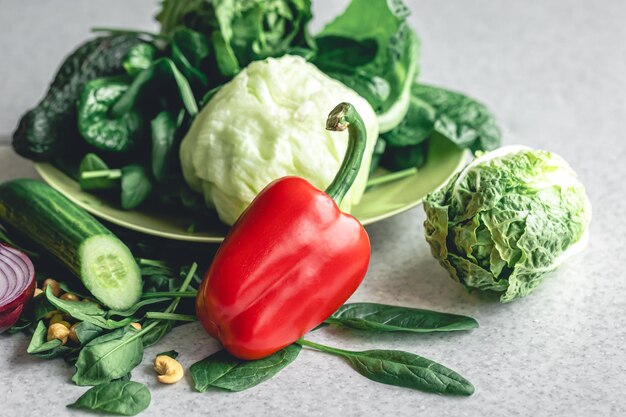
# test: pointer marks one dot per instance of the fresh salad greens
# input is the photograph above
(506, 219)
(130, 97)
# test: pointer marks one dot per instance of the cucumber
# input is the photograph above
(74, 238)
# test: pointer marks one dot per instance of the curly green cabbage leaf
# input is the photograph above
(506, 219)
(241, 31)
(266, 123)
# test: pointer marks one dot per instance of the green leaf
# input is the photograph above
(372, 50)
(136, 186)
(109, 357)
(82, 311)
(40, 308)
(171, 353)
(138, 58)
(153, 78)
(190, 49)
(135, 308)
(163, 128)
(387, 318)
(154, 335)
(464, 121)
(43, 349)
(126, 398)
(224, 371)
(86, 332)
(408, 370)
(93, 163)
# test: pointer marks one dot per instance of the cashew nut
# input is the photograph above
(37, 292)
(58, 331)
(136, 326)
(169, 370)
(73, 336)
(69, 297)
(54, 286)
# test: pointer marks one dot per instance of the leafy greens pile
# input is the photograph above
(120, 104)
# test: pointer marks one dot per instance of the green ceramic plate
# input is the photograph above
(378, 203)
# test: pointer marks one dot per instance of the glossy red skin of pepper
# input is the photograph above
(289, 262)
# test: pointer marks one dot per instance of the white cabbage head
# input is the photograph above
(508, 218)
(269, 122)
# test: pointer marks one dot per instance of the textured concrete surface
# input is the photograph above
(554, 73)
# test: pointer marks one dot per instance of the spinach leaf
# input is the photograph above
(94, 174)
(397, 158)
(138, 58)
(126, 398)
(190, 49)
(386, 318)
(159, 73)
(222, 370)
(86, 332)
(83, 311)
(163, 128)
(171, 353)
(43, 349)
(464, 121)
(109, 357)
(136, 186)
(40, 308)
(135, 308)
(408, 370)
(372, 50)
(155, 334)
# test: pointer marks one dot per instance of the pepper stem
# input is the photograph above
(343, 117)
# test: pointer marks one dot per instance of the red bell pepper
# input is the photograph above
(290, 261)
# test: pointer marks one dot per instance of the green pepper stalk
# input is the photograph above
(343, 117)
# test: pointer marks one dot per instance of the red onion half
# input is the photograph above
(17, 284)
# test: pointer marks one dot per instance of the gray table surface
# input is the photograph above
(554, 73)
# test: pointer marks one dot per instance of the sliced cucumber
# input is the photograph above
(74, 238)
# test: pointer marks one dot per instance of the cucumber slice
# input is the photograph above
(109, 271)
(74, 238)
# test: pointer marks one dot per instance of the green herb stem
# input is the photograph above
(394, 176)
(324, 348)
(170, 316)
(172, 307)
(153, 262)
(111, 174)
(165, 294)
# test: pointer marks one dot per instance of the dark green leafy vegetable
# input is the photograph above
(109, 357)
(84, 311)
(241, 32)
(171, 353)
(135, 308)
(94, 174)
(139, 58)
(372, 50)
(408, 370)
(43, 349)
(387, 318)
(402, 369)
(163, 128)
(98, 126)
(44, 132)
(126, 398)
(155, 334)
(86, 332)
(136, 186)
(464, 121)
(190, 51)
(160, 74)
(224, 371)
